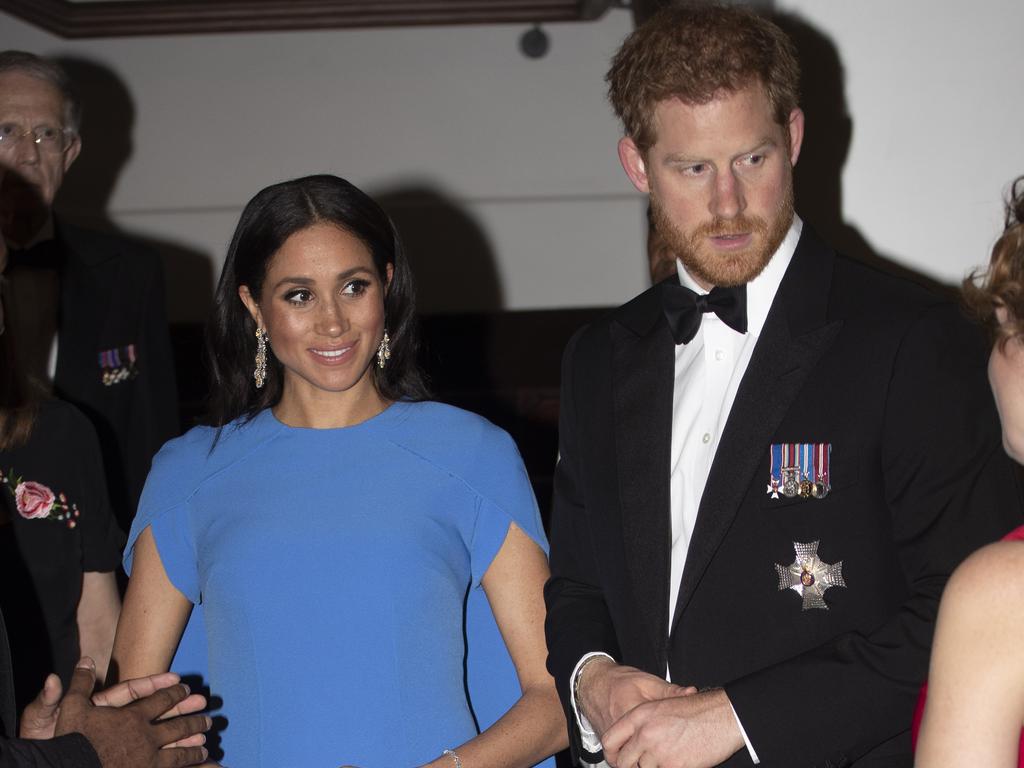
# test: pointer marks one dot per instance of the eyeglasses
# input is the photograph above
(46, 137)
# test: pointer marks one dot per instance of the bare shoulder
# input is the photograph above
(992, 577)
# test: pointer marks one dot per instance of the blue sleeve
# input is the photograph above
(506, 497)
(164, 508)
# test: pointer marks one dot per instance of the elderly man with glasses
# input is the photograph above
(89, 306)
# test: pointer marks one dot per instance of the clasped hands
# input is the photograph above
(149, 722)
(645, 722)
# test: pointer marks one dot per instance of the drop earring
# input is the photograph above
(384, 350)
(259, 375)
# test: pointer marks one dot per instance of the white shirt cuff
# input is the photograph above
(743, 733)
(588, 736)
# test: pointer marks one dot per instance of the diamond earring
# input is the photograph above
(384, 350)
(260, 374)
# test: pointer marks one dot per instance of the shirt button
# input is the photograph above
(706, 438)
(719, 354)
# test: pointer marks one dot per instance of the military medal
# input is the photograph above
(806, 471)
(790, 482)
(789, 470)
(799, 470)
(822, 484)
(809, 576)
(775, 472)
(118, 364)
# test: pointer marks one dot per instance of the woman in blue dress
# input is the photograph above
(368, 564)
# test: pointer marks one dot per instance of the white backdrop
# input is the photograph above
(505, 167)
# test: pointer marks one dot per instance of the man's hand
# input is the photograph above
(127, 733)
(607, 691)
(680, 732)
(39, 718)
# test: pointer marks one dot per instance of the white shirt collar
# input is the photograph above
(762, 289)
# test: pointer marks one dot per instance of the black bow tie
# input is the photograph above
(684, 309)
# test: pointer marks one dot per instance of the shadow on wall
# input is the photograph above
(450, 254)
(457, 289)
(827, 139)
(456, 276)
(504, 365)
(108, 119)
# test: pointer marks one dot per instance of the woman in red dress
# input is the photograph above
(975, 703)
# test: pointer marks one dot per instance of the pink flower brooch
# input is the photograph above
(36, 501)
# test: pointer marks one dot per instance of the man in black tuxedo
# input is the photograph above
(770, 462)
(91, 304)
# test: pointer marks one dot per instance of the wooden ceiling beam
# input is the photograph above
(111, 18)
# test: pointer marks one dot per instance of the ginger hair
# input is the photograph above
(1001, 285)
(694, 53)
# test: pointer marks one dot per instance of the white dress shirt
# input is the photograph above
(708, 371)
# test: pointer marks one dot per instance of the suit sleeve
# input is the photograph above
(71, 751)
(948, 489)
(577, 621)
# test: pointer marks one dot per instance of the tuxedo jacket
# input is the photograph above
(111, 310)
(889, 375)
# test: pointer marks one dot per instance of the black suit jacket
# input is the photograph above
(891, 376)
(70, 751)
(112, 296)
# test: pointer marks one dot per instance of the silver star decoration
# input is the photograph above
(809, 576)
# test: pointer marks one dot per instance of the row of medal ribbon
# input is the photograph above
(800, 469)
(118, 364)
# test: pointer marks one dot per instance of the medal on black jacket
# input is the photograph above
(800, 470)
(809, 576)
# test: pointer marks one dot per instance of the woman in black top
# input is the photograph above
(59, 544)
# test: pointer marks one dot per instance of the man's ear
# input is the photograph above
(633, 164)
(796, 134)
(251, 305)
(71, 153)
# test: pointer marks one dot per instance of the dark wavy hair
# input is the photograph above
(1002, 284)
(692, 52)
(270, 218)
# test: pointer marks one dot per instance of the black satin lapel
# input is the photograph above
(643, 375)
(773, 379)
(793, 339)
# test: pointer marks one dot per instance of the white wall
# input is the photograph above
(516, 156)
(933, 89)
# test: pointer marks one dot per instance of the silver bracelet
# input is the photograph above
(455, 757)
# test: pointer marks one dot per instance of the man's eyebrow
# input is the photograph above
(681, 158)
